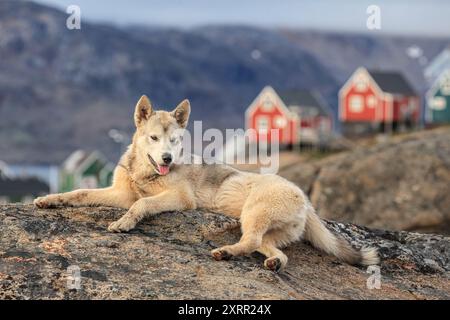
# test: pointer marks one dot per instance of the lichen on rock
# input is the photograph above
(168, 257)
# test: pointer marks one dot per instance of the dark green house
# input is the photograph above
(438, 100)
(84, 170)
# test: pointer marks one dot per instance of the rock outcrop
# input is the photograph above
(402, 183)
(168, 257)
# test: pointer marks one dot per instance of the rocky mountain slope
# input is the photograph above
(398, 183)
(64, 89)
(168, 258)
(61, 89)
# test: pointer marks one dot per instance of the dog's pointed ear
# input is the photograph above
(143, 110)
(181, 113)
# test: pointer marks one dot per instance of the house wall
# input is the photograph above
(370, 102)
(67, 182)
(439, 114)
(273, 116)
(294, 131)
(386, 104)
(89, 178)
(325, 125)
(401, 106)
(316, 128)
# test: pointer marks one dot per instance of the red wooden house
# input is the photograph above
(268, 112)
(297, 114)
(373, 100)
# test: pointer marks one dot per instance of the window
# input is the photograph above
(361, 86)
(356, 103)
(445, 85)
(267, 104)
(361, 83)
(371, 101)
(437, 103)
(280, 122)
(262, 124)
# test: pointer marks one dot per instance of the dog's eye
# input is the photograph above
(154, 138)
(173, 140)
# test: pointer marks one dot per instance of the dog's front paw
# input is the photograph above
(121, 225)
(43, 202)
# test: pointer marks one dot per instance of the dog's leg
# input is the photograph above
(169, 200)
(272, 211)
(254, 225)
(88, 197)
(276, 259)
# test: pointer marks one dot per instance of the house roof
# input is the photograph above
(437, 64)
(392, 82)
(22, 187)
(306, 103)
(270, 91)
(445, 74)
(80, 160)
(74, 160)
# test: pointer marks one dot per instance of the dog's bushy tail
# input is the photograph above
(322, 238)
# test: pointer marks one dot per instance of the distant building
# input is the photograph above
(19, 189)
(268, 112)
(316, 118)
(83, 170)
(299, 115)
(438, 100)
(378, 100)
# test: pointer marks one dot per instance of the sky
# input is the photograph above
(406, 17)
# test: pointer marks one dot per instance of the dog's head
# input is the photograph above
(159, 133)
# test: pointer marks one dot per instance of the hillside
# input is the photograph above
(168, 258)
(61, 89)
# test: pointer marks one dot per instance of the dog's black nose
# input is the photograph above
(167, 158)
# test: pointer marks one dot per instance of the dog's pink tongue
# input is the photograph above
(163, 170)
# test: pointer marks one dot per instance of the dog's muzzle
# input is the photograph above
(160, 169)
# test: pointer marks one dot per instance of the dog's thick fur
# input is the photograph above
(273, 212)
